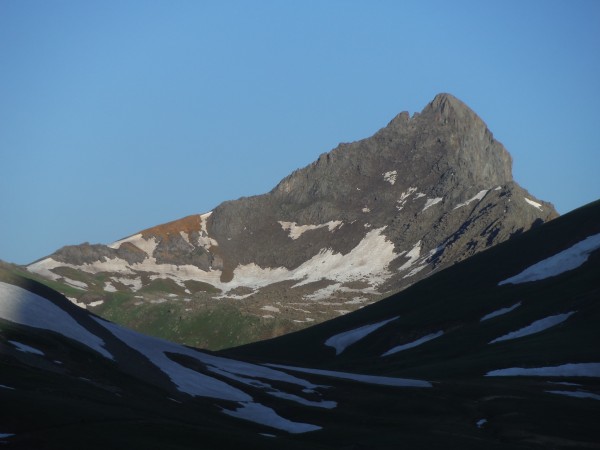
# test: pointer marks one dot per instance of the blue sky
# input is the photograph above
(119, 115)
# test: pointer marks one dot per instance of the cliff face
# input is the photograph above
(369, 217)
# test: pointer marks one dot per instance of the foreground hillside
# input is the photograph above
(500, 351)
(365, 220)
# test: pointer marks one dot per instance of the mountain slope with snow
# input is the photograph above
(367, 219)
(70, 380)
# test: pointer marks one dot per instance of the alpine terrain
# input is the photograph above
(501, 351)
(365, 220)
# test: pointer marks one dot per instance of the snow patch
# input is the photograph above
(366, 209)
(481, 423)
(568, 259)
(412, 256)
(564, 370)
(295, 230)
(255, 412)
(534, 204)
(96, 303)
(390, 176)
(108, 287)
(432, 201)
(369, 379)
(26, 348)
(412, 344)
(479, 196)
(577, 394)
(535, 327)
(500, 312)
(26, 308)
(270, 308)
(343, 340)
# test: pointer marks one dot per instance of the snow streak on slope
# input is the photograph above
(343, 340)
(361, 378)
(26, 348)
(26, 308)
(478, 196)
(412, 344)
(295, 230)
(576, 394)
(568, 259)
(500, 312)
(535, 327)
(195, 383)
(564, 370)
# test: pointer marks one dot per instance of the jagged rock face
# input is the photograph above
(364, 219)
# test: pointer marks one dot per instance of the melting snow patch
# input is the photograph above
(295, 231)
(578, 394)
(390, 176)
(481, 423)
(343, 340)
(26, 348)
(26, 308)
(412, 344)
(270, 308)
(96, 303)
(366, 210)
(568, 259)
(535, 327)
(564, 370)
(6, 435)
(419, 195)
(75, 283)
(412, 256)
(264, 415)
(500, 312)
(534, 204)
(432, 201)
(479, 196)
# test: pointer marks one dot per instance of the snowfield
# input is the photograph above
(26, 308)
(26, 348)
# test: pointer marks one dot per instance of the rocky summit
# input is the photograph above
(366, 219)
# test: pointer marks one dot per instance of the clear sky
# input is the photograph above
(119, 115)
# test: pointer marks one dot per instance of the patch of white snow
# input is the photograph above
(343, 340)
(577, 394)
(535, 327)
(432, 201)
(412, 344)
(534, 204)
(568, 259)
(564, 370)
(26, 308)
(390, 176)
(500, 312)
(26, 348)
(479, 196)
